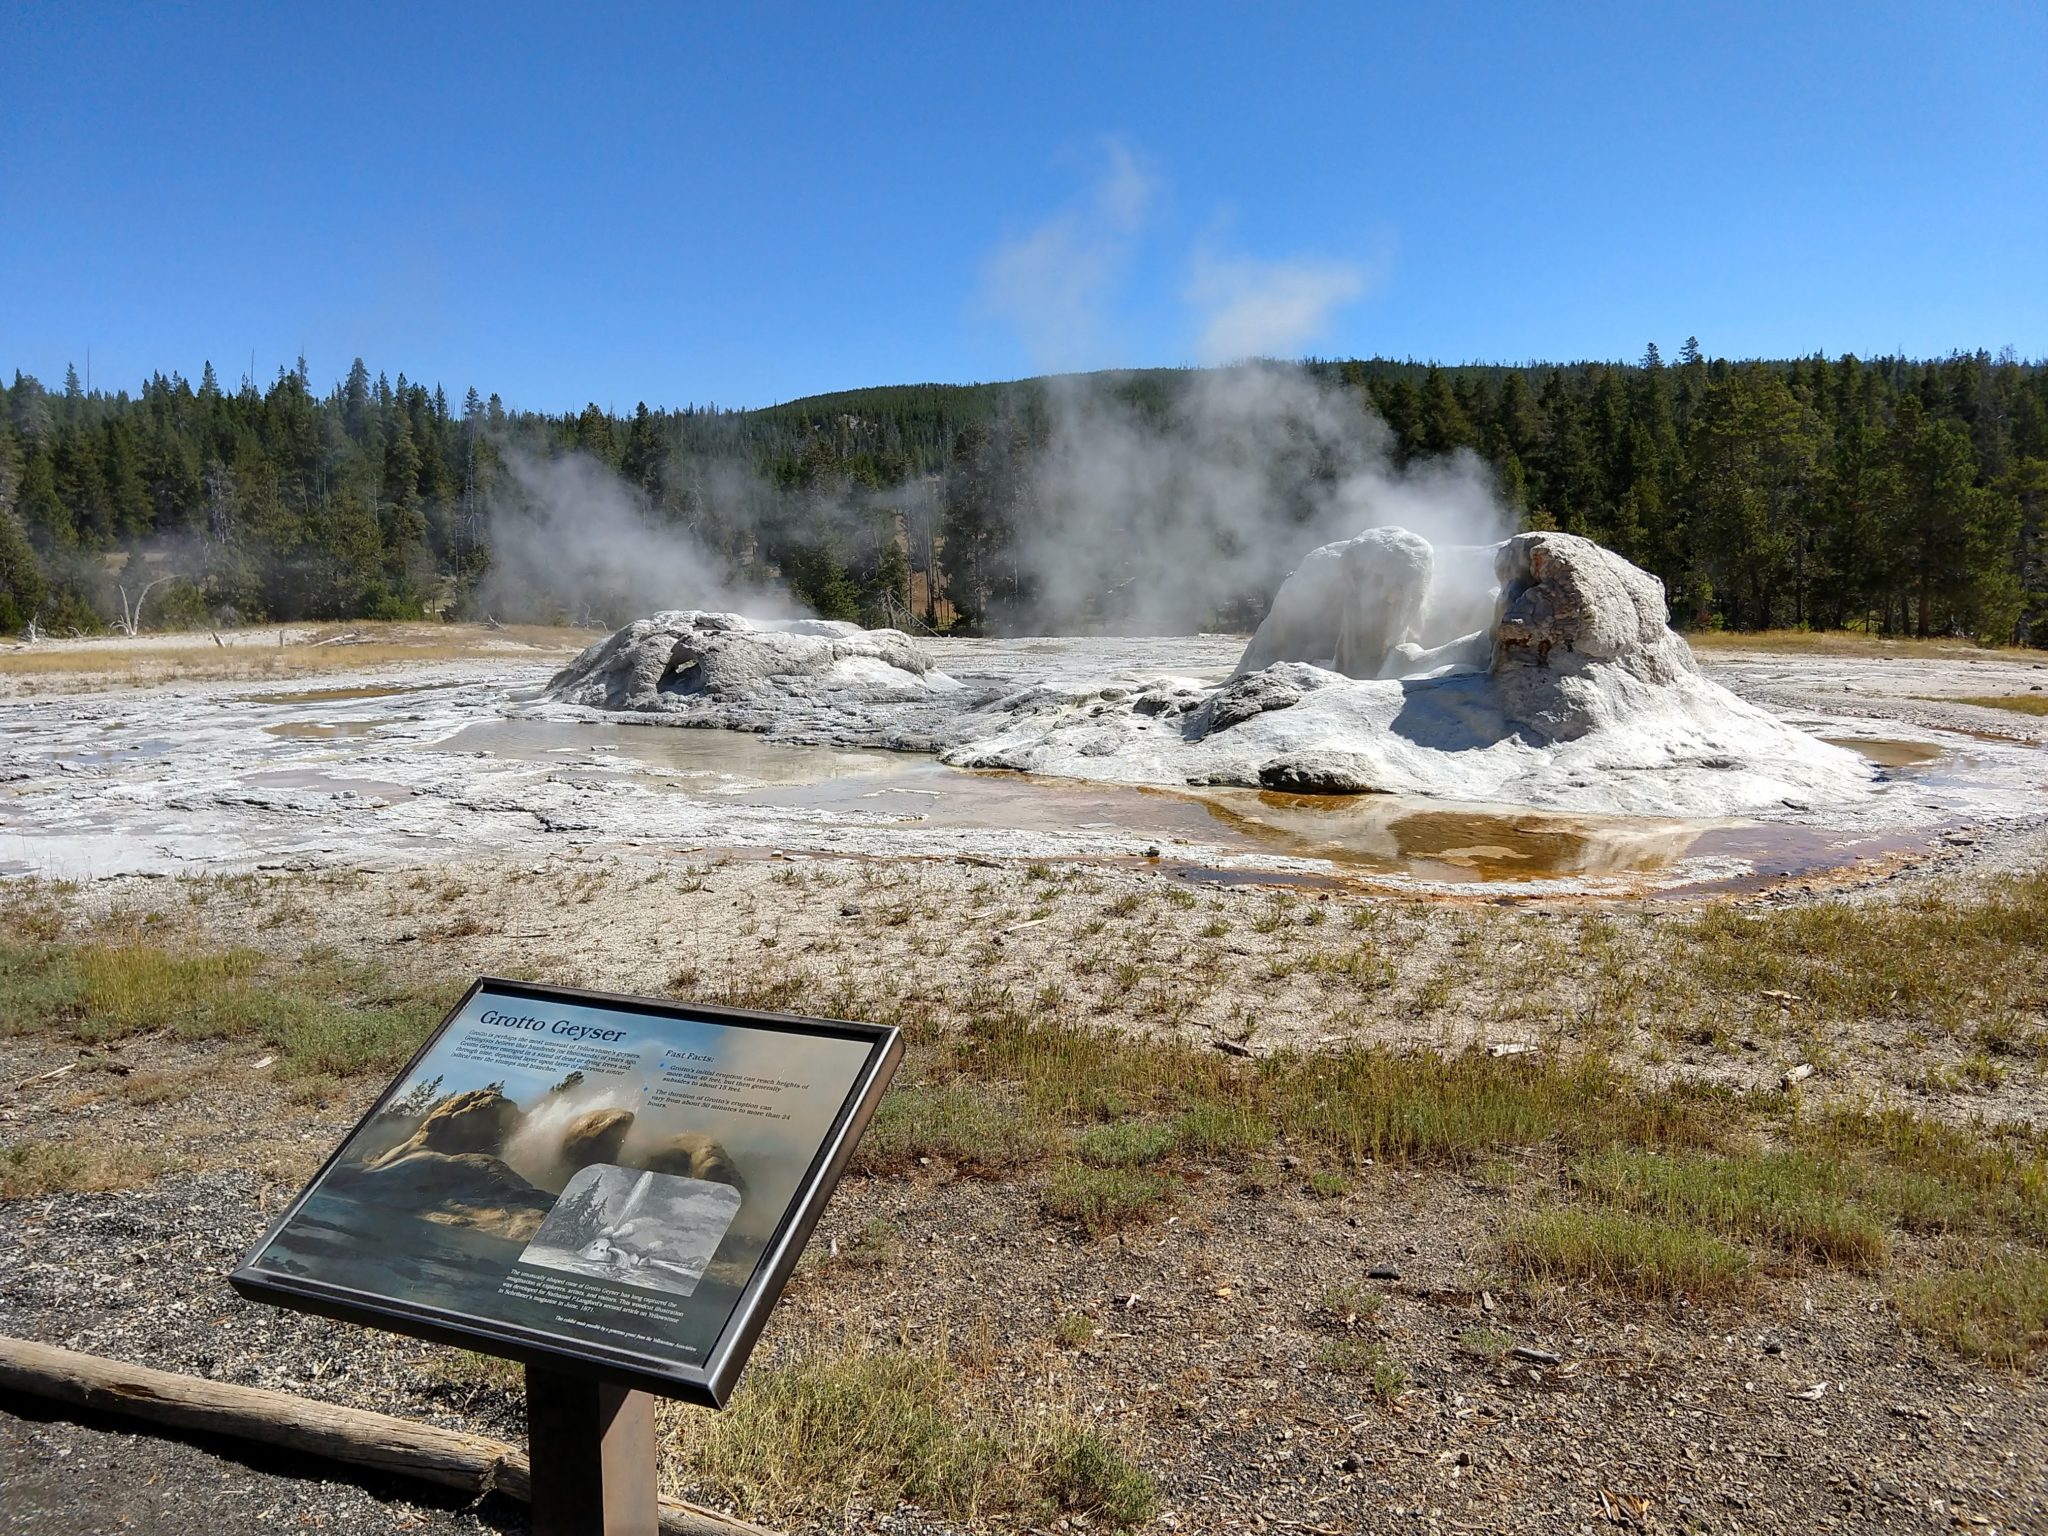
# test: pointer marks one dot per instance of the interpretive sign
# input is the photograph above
(609, 1187)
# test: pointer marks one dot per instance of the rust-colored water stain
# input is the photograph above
(1359, 838)
(1393, 834)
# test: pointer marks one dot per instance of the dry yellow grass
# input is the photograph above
(255, 656)
(1813, 642)
(2017, 703)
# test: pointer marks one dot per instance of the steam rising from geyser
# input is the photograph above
(1156, 524)
(568, 533)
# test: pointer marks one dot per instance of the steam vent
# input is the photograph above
(1538, 671)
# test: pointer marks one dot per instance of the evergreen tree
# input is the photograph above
(1888, 491)
(356, 403)
(593, 435)
(1441, 423)
(22, 587)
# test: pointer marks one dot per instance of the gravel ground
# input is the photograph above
(141, 1276)
(59, 1478)
(1209, 1355)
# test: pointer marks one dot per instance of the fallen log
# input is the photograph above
(473, 1463)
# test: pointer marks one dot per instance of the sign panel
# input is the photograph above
(612, 1186)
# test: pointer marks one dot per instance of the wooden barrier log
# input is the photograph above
(449, 1457)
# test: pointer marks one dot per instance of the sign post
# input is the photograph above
(596, 1475)
(611, 1190)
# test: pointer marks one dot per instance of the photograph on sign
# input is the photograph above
(638, 1228)
(609, 1173)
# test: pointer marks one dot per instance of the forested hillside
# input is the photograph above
(1907, 497)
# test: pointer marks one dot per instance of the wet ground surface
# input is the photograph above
(452, 756)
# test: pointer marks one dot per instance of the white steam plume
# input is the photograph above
(1055, 283)
(1164, 518)
(1266, 308)
(535, 1148)
(1151, 525)
(569, 534)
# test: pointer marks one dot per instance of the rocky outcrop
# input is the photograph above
(464, 1189)
(694, 1156)
(1579, 630)
(1563, 594)
(1575, 694)
(1538, 671)
(1249, 695)
(1322, 773)
(1348, 605)
(594, 1136)
(804, 681)
(659, 665)
(481, 1120)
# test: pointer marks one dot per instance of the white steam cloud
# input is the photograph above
(1148, 516)
(535, 1148)
(1122, 505)
(1266, 308)
(569, 535)
(1055, 283)
(1146, 524)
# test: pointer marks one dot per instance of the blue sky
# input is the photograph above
(747, 204)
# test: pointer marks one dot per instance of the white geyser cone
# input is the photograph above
(1539, 671)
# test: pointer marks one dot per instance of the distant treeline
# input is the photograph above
(1901, 496)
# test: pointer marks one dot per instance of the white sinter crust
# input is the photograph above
(1576, 695)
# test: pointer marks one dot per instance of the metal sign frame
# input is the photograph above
(709, 1382)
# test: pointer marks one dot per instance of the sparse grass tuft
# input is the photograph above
(1367, 1102)
(2018, 703)
(1070, 1330)
(30, 1168)
(885, 1427)
(1085, 1474)
(1829, 642)
(971, 1126)
(256, 656)
(1105, 1200)
(1944, 962)
(1486, 1343)
(466, 1368)
(1126, 1144)
(1929, 1177)
(1345, 1306)
(1363, 1357)
(877, 1245)
(1623, 1252)
(318, 1088)
(1997, 1314)
(1792, 1200)
(1217, 1131)
(149, 1088)
(322, 1015)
